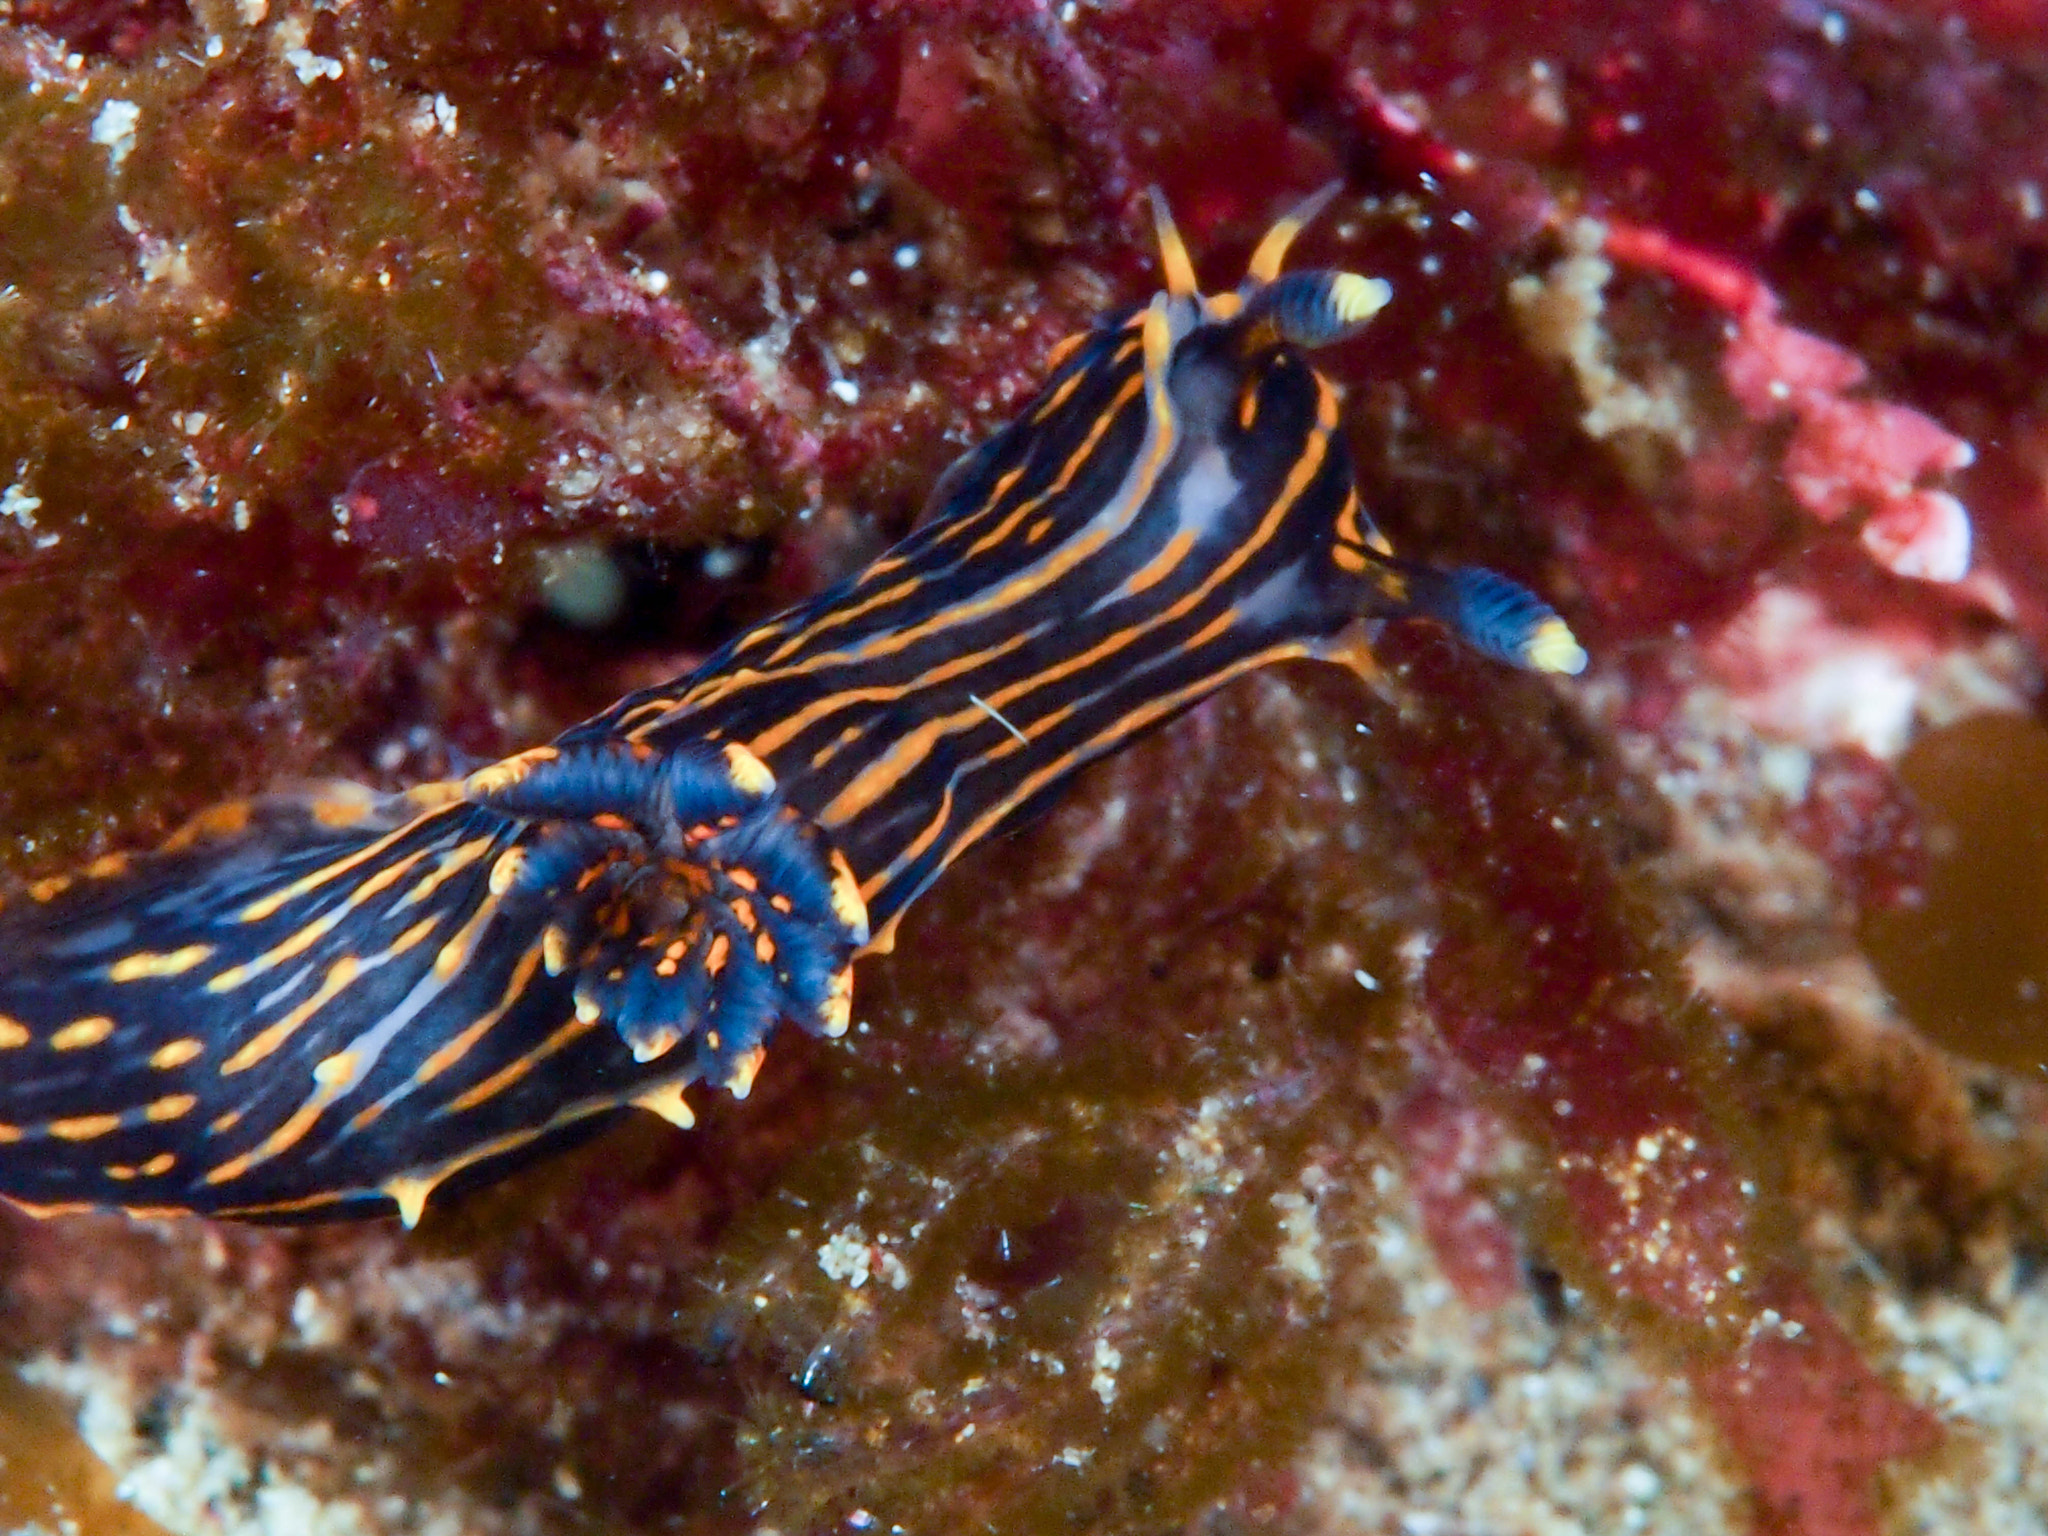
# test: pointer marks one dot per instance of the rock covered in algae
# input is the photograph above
(1463, 1101)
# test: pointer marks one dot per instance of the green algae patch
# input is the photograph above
(260, 281)
(214, 305)
(1073, 1265)
(282, 372)
(1046, 1310)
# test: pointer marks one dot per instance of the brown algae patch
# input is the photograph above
(1968, 963)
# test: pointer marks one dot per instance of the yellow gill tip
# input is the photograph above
(847, 903)
(835, 1016)
(744, 1071)
(505, 870)
(656, 1044)
(554, 949)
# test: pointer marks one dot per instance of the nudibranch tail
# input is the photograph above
(323, 1003)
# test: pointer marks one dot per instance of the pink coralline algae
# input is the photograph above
(1845, 455)
(325, 331)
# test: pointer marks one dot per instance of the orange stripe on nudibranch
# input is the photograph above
(81, 1033)
(175, 1053)
(143, 965)
(340, 975)
(84, 1127)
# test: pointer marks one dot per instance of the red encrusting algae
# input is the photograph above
(1606, 1066)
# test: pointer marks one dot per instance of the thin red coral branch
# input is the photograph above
(1846, 454)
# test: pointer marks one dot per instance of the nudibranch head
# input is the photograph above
(1318, 307)
(1309, 309)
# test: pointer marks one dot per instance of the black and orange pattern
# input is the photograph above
(310, 1004)
(331, 1003)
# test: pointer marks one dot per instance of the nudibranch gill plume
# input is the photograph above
(332, 1002)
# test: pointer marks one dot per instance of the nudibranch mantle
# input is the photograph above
(336, 1002)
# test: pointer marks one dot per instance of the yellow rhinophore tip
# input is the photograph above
(554, 949)
(748, 773)
(1553, 648)
(667, 1101)
(1356, 299)
(1175, 265)
(505, 870)
(1272, 249)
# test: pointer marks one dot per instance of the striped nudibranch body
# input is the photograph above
(333, 1002)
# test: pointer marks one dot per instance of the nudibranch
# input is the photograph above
(334, 1002)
